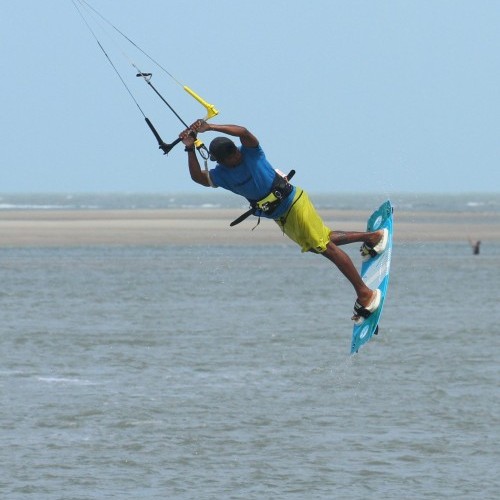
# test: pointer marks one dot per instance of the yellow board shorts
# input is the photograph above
(303, 224)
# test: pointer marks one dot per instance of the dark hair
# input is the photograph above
(220, 148)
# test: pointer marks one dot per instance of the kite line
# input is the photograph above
(90, 15)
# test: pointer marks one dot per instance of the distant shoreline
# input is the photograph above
(191, 227)
(221, 199)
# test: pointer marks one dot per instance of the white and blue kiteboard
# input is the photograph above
(375, 273)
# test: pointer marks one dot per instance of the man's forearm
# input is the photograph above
(235, 130)
(245, 136)
(197, 174)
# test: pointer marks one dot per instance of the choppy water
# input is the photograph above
(218, 198)
(223, 372)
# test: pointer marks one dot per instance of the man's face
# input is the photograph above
(233, 159)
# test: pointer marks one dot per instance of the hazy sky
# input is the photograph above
(356, 95)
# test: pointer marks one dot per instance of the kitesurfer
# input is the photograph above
(244, 170)
(475, 245)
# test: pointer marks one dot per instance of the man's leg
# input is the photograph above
(304, 226)
(345, 265)
(345, 237)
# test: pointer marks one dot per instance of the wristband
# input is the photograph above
(189, 148)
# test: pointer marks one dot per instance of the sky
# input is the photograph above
(386, 96)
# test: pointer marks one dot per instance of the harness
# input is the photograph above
(280, 190)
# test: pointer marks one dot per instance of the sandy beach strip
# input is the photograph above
(54, 228)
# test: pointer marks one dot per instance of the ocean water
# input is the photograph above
(224, 372)
(217, 198)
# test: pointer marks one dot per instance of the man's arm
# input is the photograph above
(197, 174)
(246, 137)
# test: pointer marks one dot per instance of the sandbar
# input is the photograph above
(54, 228)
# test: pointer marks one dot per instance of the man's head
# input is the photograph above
(224, 150)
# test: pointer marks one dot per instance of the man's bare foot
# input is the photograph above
(375, 244)
(362, 310)
(375, 238)
(365, 299)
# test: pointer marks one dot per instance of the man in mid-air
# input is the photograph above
(244, 170)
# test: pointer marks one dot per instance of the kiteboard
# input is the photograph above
(375, 273)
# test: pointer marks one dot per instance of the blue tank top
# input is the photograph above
(252, 178)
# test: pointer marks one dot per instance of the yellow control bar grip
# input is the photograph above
(211, 110)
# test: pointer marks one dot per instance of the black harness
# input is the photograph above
(280, 190)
